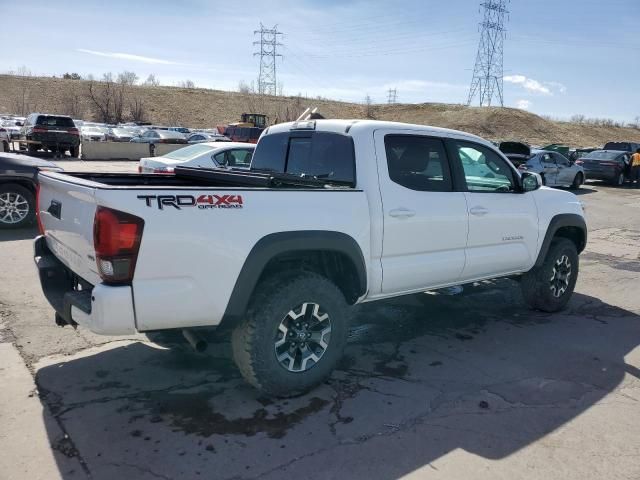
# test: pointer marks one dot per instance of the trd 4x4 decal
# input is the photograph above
(201, 201)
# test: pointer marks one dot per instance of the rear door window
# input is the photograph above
(323, 155)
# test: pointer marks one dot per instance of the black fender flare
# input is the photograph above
(275, 244)
(557, 222)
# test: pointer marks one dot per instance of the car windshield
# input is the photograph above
(187, 153)
(601, 155)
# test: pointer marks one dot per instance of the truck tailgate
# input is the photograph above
(67, 208)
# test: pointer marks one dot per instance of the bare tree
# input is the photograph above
(137, 110)
(187, 84)
(151, 81)
(102, 96)
(21, 103)
(72, 101)
(127, 78)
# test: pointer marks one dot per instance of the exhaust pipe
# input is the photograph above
(197, 342)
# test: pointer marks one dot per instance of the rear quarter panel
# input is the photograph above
(190, 257)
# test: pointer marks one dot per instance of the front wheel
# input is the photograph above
(549, 287)
(577, 181)
(293, 335)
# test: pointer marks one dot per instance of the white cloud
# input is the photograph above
(524, 104)
(528, 84)
(129, 56)
(534, 86)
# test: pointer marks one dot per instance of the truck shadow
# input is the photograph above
(26, 233)
(422, 376)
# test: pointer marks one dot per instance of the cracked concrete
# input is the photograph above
(471, 385)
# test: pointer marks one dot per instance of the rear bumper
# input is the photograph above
(600, 175)
(102, 309)
(54, 140)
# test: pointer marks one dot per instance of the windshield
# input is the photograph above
(601, 155)
(187, 153)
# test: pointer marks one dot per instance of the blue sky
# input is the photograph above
(562, 57)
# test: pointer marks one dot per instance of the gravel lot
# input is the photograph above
(462, 386)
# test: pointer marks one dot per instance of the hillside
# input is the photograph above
(206, 108)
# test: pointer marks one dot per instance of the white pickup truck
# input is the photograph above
(331, 213)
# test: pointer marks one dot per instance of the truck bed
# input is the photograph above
(197, 177)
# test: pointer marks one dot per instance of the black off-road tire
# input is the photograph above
(253, 341)
(32, 148)
(74, 152)
(577, 181)
(537, 283)
(13, 188)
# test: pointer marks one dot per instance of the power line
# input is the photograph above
(267, 80)
(488, 70)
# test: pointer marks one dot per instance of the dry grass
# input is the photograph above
(206, 108)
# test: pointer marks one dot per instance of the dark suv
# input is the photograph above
(55, 133)
(630, 147)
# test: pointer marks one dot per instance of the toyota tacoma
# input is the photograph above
(331, 213)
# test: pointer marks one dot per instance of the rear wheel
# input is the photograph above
(17, 206)
(577, 181)
(74, 152)
(549, 287)
(32, 148)
(293, 335)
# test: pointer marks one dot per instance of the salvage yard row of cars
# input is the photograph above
(61, 134)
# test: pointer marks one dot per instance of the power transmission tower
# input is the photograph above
(267, 80)
(393, 96)
(487, 74)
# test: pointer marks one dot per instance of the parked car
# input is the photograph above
(92, 134)
(555, 169)
(578, 153)
(184, 130)
(332, 213)
(200, 137)
(5, 140)
(18, 178)
(56, 133)
(160, 136)
(612, 166)
(630, 147)
(12, 127)
(201, 155)
(118, 134)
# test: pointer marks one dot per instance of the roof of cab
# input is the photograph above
(352, 126)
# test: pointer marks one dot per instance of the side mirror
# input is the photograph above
(530, 181)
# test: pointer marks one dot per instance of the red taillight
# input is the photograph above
(578, 162)
(39, 130)
(139, 169)
(73, 131)
(116, 239)
(38, 218)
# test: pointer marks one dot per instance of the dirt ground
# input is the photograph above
(462, 386)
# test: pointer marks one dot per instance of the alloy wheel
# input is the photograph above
(559, 281)
(14, 208)
(303, 337)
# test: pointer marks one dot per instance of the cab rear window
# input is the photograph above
(323, 155)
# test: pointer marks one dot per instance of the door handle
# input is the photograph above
(401, 213)
(478, 211)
